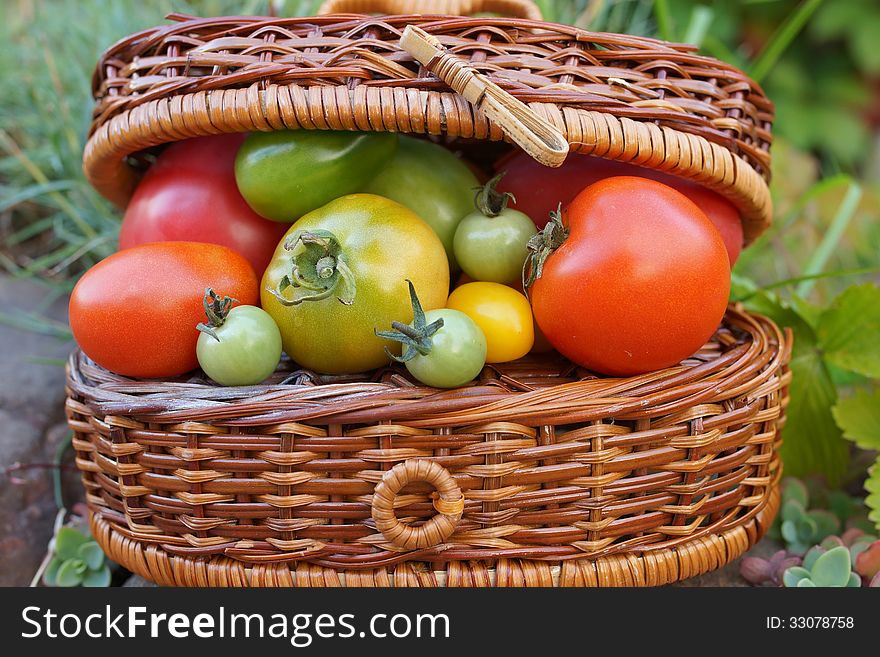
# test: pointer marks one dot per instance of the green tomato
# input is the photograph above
(246, 349)
(341, 271)
(287, 173)
(458, 351)
(433, 183)
(494, 249)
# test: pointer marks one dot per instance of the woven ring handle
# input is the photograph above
(512, 8)
(449, 504)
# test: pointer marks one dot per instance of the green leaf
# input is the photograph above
(91, 554)
(769, 304)
(794, 575)
(863, 42)
(50, 575)
(872, 485)
(792, 510)
(810, 557)
(832, 568)
(794, 490)
(848, 330)
(97, 578)
(70, 573)
(812, 441)
(790, 531)
(806, 583)
(67, 543)
(826, 523)
(859, 418)
(836, 19)
(854, 581)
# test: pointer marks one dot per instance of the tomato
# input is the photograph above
(135, 312)
(352, 258)
(539, 190)
(502, 313)
(240, 346)
(285, 174)
(433, 183)
(624, 290)
(490, 244)
(444, 348)
(189, 195)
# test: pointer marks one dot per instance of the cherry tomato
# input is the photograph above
(238, 346)
(635, 279)
(189, 195)
(285, 174)
(135, 312)
(539, 190)
(502, 313)
(490, 243)
(341, 272)
(444, 348)
(432, 182)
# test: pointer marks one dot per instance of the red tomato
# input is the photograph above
(189, 194)
(640, 282)
(539, 190)
(135, 313)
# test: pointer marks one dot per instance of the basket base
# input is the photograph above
(649, 568)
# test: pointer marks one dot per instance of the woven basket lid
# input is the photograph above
(631, 99)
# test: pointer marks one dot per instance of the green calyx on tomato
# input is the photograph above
(541, 246)
(444, 347)
(319, 268)
(286, 174)
(490, 244)
(416, 337)
(216, 310)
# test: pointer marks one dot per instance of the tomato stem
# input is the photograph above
(319, 269)
(216, 309)
(541, 247)
(489, 200)
(416, 336)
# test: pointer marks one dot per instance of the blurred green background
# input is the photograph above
(815, 270)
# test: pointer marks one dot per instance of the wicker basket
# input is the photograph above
(538, 474)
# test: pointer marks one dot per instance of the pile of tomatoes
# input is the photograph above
(350, 250)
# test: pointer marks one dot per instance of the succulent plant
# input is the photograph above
(824, 567)
(767, 572)
(801, 527)
(78, 561)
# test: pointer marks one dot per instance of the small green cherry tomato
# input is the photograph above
(444, 347)
(491, 243)
(239, 347)
(285, 174)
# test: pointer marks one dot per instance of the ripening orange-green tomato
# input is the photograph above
(502, 313)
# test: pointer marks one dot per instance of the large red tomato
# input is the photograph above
(539, 190)
(189, 194)
(639, 282)
(135, 312)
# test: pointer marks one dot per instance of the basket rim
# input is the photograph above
(190, 107)
(397, 399)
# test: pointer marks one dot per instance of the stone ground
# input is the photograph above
(32, 426)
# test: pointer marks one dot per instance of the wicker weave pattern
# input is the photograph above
(621, 97)
(552, 466)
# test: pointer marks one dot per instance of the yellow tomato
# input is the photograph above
(503, 314)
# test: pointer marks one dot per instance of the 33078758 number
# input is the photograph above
(810, 622)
